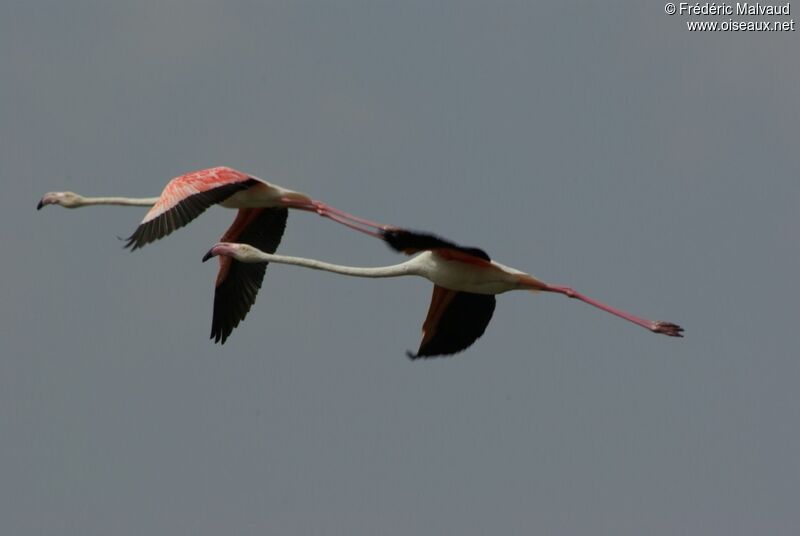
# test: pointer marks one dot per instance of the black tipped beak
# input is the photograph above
(40, 205)
(208, 255)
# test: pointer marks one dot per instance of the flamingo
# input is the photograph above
(465, 282)
(260, 222)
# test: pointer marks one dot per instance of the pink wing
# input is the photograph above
(238, 283)
(186, 197)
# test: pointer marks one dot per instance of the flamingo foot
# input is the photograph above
(667, 328)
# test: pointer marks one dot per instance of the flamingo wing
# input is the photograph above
(455, 320)
(238, 283)
(186, 197)
(411, 242)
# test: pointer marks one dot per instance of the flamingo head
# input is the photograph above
(65, 199)
(239, 252)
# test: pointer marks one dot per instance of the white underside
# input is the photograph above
(259, 196)
(457, 275)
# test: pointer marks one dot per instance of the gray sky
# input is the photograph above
(600, 146)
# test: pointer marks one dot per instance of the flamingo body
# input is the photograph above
(465, 282)
(260, 222)
(461, 273)
(187, 196)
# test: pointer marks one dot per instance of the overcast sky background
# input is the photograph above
(601, 146)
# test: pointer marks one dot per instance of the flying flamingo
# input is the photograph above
(465, 281)
(260, 222)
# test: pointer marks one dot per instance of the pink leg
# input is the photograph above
(323, 209)
(348, 220)
(343, 221)
(656, 326)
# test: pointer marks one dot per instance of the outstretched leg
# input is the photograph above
(354, 222)
(656, 326)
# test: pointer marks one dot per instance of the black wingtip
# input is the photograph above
(409, 242)
(131, 243)
(218, 336)
(208, 255)
(40, 205)
(128, 242)
(411, 355)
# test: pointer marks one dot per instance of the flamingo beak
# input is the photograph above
(47, 199)
(220, 248)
